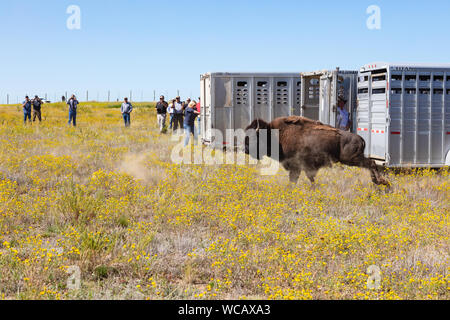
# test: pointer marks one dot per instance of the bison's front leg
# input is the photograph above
(294, 175)
(311, 174)
(375, 172)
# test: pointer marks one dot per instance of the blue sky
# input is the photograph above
(165, 45)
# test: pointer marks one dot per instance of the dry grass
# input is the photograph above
(109, 201)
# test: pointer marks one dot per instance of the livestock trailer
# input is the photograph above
(403, 113)
(320, 92)
(231, 101)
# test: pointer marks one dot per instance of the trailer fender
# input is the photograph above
(447, 159)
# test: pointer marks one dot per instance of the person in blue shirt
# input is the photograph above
(26, 110)
(343, 117)
(126, 110)
(73, 105)
(190, 113)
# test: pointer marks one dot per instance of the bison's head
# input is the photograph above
(257, 136)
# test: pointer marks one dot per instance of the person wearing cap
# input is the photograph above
(177, 114)
(343, 117)
(37, 104)
(126, 110)
(189, 122)
(73, 105)
(26, 105)
(161, 112)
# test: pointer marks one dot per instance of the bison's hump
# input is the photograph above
(297, 120)
(307, 123)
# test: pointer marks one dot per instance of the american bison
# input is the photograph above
(309, 145)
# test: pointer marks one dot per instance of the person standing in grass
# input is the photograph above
(37, 104)
(161, 112)
(199, 118)
(73, 105)
(170, 110)
(126, 110)
(26, 110)
(177, 114)
(190, 113)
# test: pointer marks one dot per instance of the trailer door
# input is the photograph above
(242, 112)
(262, 99)
(206, 117)
(363, 110)
(326, 110)
(310, 96)
(378, 115)
(282, 98)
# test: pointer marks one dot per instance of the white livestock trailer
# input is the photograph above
(403, 114)
(231, 101)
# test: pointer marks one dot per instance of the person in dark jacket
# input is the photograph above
(161, 112)
(26, 110)
(73, 105)
(37, 104)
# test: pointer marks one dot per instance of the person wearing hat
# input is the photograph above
(343, 117)
(37, 104)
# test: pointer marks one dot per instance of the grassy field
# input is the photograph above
(109, 203)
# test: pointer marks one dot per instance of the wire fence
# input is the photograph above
(96, 95)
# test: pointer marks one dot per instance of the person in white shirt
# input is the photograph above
(170, 110)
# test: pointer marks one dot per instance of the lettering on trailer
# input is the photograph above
(402, 69)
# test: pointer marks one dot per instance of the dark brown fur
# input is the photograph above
(308, 145)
